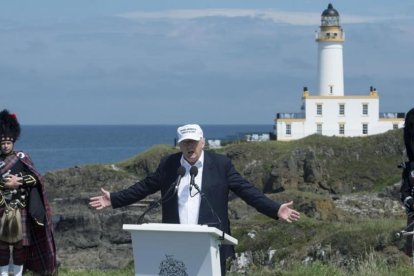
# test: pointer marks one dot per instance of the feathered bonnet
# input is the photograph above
(9, 126)
(409, 134)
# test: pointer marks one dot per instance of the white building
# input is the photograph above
(330, 112)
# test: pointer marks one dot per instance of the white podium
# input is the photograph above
(176, 249)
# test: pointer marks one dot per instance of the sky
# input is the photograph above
(184, 61)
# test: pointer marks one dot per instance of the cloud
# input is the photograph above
(282, 17)
(246, 63)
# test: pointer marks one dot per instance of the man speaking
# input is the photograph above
(202, 189)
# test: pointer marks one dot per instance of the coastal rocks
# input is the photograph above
(244, 260)
(104, 257)
(86, 180)
(322, 209)
(370, 205)
(241, 262)
(321, 164)
(303, 171)
(87, 238)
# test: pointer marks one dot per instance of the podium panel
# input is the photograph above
(176, 249)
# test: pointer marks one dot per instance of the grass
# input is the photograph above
(89, 272)
(373, 264)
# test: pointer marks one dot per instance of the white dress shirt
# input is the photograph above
(188, 197)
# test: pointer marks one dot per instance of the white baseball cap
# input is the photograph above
(190, 132)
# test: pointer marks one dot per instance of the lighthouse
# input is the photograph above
(329, 111)
(330, 39)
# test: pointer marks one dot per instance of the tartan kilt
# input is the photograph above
(26, 240)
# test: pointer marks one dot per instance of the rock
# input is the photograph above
(370, 205)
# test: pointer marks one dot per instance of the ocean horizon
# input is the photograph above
(55, 147)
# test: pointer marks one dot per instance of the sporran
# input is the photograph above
(11, 225)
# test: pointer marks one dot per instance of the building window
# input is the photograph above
(341, 129)
(394, 126)
(364, 128)
(341, 109)
(288, 129)
(319, 129)
(365, 109)
(319, 109)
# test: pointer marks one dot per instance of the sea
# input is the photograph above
(60, 147)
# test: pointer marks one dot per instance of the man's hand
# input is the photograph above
(101, 202)
(12, 181)
(288, 214)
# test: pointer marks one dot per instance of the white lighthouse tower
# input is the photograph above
(330, 60)
(329, 111)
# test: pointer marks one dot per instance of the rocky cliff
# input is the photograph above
(330, 179)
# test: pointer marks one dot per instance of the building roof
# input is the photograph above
(330, 11)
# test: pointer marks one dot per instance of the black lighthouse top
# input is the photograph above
(330, 17)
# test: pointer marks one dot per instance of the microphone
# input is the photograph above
(180, 173)
(193, 174)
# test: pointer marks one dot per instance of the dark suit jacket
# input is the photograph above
(219, 177)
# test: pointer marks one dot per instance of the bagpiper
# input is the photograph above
(26, 233)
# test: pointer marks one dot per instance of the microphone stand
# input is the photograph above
(158, 202)
(173, 187)
(211, 208)
(152, 206)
